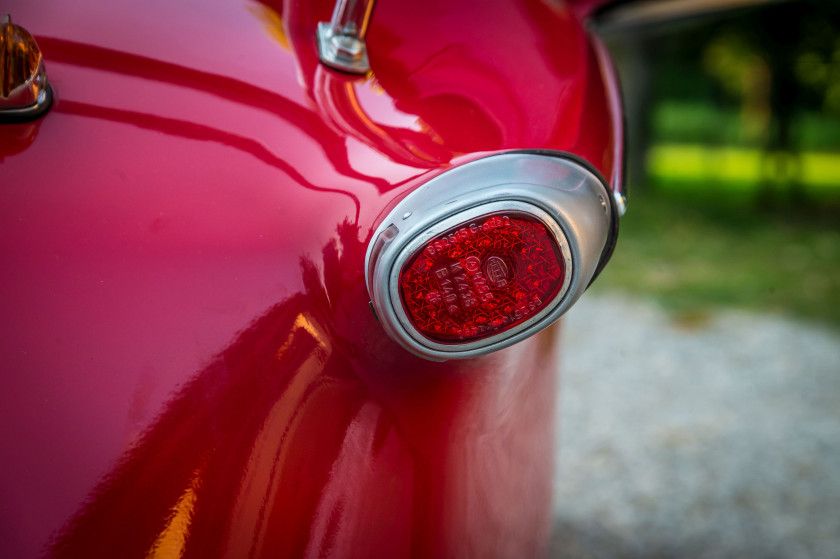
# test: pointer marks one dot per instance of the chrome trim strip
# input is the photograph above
(613, 91)
(620, 203)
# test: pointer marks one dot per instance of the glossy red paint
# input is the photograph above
(189, 363)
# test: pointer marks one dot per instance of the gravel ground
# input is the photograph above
(714, 437)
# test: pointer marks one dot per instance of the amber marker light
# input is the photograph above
(24, 92)
(488, 253)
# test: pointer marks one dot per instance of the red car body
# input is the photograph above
(190, 367)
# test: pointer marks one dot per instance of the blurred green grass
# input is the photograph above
(696, 249)
(737, 168)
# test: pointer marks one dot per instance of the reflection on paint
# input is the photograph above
(294, 441)
(173, 540)
(17, 137)
(302, 322)
(273, 23)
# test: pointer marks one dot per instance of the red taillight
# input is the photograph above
(488, 253)
(481, 277)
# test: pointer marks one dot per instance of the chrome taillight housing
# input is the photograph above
(488, 253)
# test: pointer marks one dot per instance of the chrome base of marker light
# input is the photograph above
(570, 199)
(28, 112)
(24, 92)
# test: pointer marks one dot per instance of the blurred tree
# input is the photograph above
(771, 64)
(767, 55)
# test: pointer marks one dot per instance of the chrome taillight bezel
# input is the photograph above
(571, 200)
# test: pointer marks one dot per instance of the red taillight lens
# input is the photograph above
(481, 277)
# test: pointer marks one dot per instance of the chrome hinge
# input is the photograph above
(341, 41)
